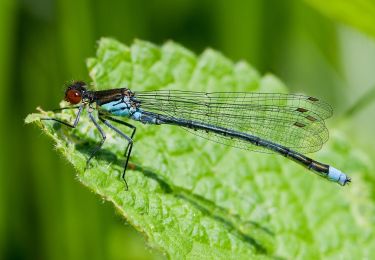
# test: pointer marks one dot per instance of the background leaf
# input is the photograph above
(192, 198)
(359, 13)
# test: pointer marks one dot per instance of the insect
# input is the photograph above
(286, 124)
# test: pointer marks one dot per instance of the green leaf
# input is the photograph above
(363, 102)
(192, 198)
(359, 14)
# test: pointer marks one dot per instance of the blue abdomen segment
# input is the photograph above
(123, 108)
(337, 176)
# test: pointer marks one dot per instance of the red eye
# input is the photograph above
(73, 96)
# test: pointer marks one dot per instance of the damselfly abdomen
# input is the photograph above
(287, 124)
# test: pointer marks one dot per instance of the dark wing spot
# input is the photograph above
(299, 124)
(313, 99)
(302, 110)
(311, 118)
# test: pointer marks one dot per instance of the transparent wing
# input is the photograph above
(294, 121)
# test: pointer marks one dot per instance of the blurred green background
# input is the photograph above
(45, 213)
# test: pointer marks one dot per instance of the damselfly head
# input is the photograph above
(75, 92)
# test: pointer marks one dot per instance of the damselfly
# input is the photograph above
(287, 124)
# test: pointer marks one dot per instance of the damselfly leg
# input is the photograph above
(65, 108)
(76, 120)
(125, 124)
(98, 147)
(129, 147)
(104, 119)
